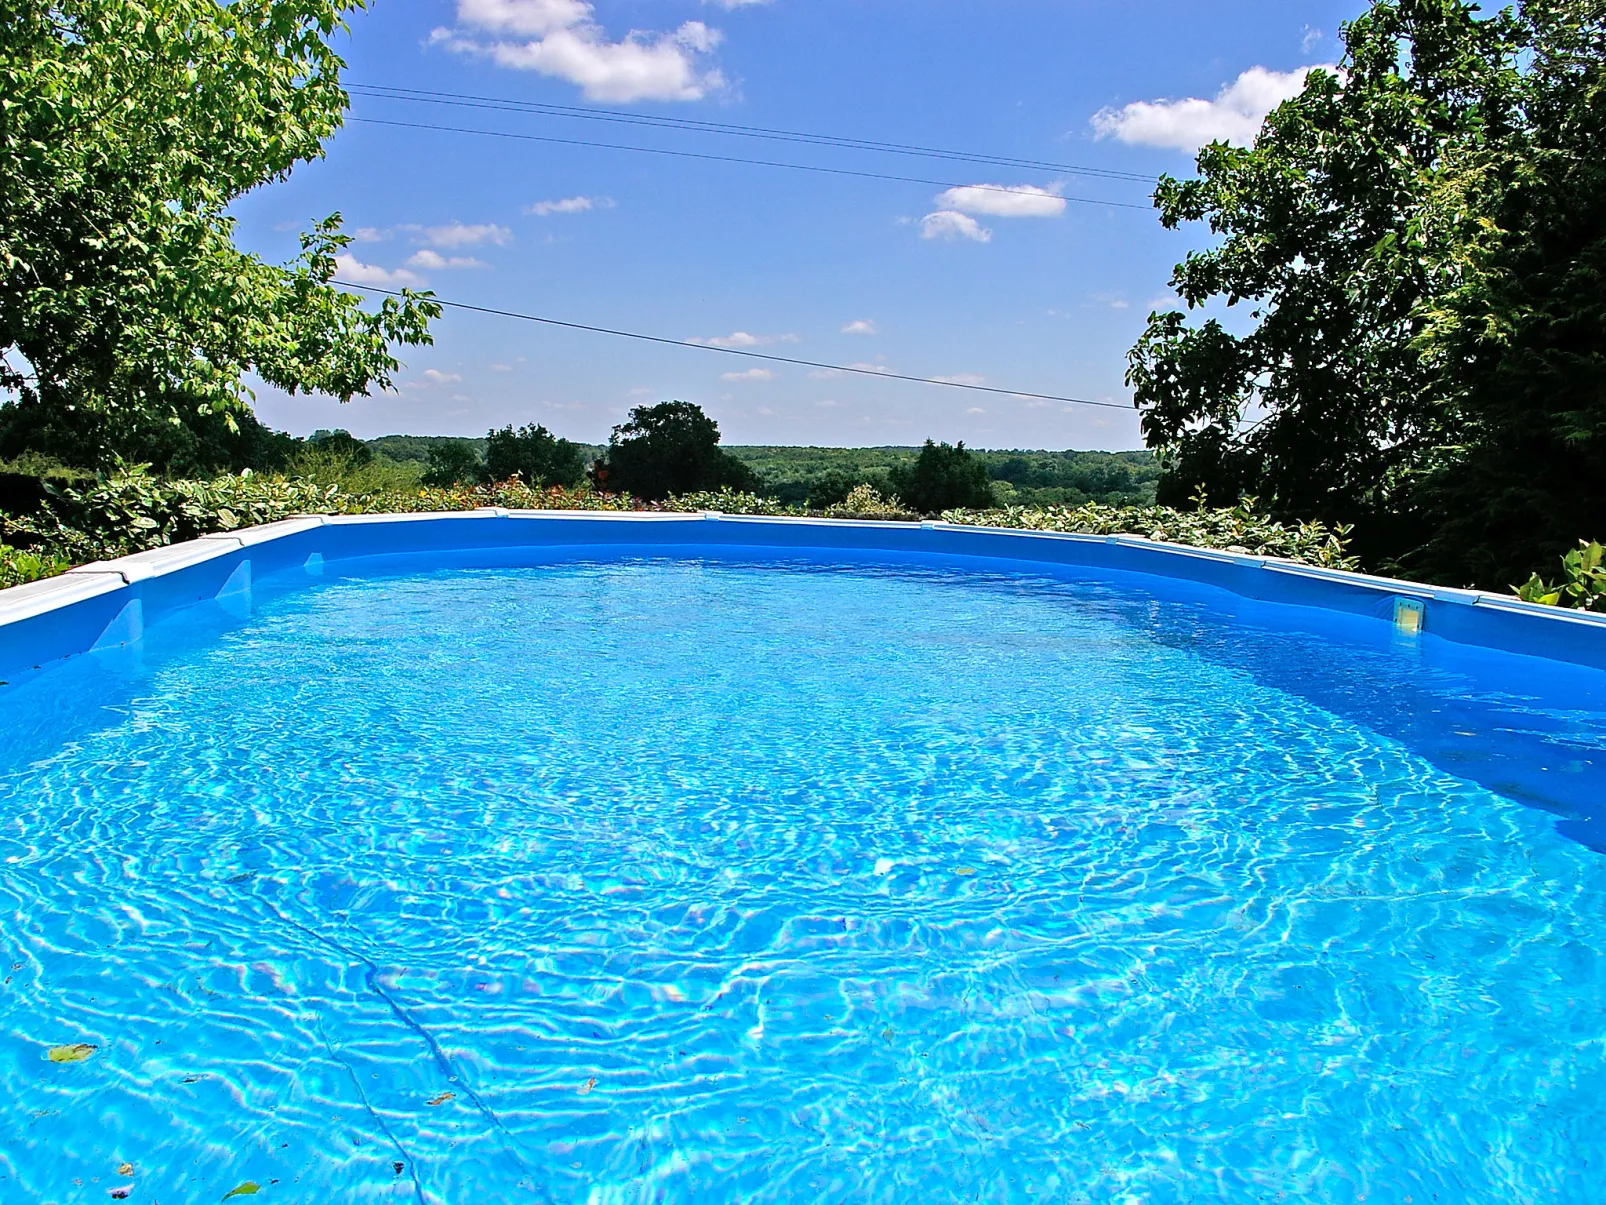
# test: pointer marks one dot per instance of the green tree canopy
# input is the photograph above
(1396, 233)
(534, 455)
(670, 448)
(453, 462)
(127, 128)
(943, 477)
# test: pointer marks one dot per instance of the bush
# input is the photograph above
(19, 566)
(1234, 529)
(944, 477)
(670, 448)
(1583, 583)
(866, 502)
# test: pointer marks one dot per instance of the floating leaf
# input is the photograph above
(441, 1099)
(125, 1169)
(585, 1088)
(76, 1053)
(965, 870)
(249, 1189)
(121, 1192)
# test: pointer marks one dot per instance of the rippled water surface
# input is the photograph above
(697, 882)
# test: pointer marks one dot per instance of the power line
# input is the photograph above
(732, 351)
(580, 112)
(799, 167)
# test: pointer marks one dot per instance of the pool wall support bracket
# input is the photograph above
(116, 602)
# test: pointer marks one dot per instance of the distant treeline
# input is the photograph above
(822, 477)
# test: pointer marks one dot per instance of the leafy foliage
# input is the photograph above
(453, 462)
(132, 510)
(534, 455)
(729, 502)
(1419, 240)
(130, 126)
(1583, 582)
(943, 477)
(19, 566)
(866, 502)
(1238, 528)
(670, 448)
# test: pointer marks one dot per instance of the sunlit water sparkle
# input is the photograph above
(700, 882)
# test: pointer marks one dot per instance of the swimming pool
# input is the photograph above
(708, 872)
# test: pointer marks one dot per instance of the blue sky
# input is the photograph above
(1021, 289)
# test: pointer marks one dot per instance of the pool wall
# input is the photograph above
(110, 603)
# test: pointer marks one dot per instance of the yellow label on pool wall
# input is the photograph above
(1409, 614)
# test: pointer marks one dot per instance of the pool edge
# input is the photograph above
(109, 603)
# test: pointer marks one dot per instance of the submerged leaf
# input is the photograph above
(585, 1088)
(441, 1099)
(249, 1189)
(76, 1053)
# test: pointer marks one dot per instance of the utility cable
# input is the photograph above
(799, 167)
(733, 351)
(690, 125)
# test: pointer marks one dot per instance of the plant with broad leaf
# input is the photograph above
(1582, 585)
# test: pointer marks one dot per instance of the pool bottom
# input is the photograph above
(706, 883)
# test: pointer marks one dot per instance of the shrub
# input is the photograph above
(1583, 583)
(866, 502)
(19, 566)
(1235, 528)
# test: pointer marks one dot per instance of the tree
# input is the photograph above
(670, 448)
(1516, 339)
(943, 477)
(453, 462)
(535, 455)
(1326, 407)
(128, 129)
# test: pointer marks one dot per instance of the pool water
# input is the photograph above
(716, 882)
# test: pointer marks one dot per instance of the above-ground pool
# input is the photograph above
(791, 875)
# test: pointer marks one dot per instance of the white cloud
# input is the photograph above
(1005, 201)
(435, 260)
(1186, 125)
(740, 339)
(369, 234)
(962, 378)
(501, 368)
(561, 38)
(860, 326)
(459, 234)
(436, 377)
(545, 209)
(752, 374)
(727, 5)
(950, 224)
(1312, 39)
(349, 267)
(975, 410)
(864, 366)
